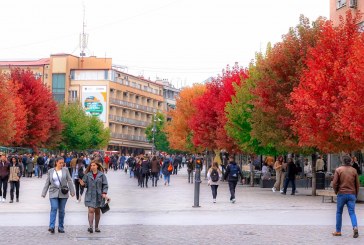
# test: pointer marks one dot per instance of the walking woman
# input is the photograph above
(213, 176)
(155, 168)
(58, 179)
(78, 174)
(279, 167)
(95, 182)
(14, 178)
(167, 169)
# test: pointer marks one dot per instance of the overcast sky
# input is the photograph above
(185, 41)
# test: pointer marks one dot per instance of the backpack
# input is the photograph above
(214, 175)
(234, 171)
(170, 168)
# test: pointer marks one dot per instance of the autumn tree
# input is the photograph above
(208, 123)
(7, 112)
(239, 112)
(42, 119)
(327, 106)
(279, 73)
(178, 132)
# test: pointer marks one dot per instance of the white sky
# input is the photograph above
(185, 41)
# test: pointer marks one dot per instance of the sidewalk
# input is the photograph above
(167, 216)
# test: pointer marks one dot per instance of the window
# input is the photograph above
(340, 3)
(58, 86)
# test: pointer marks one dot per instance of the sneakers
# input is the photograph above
(274, 189)
(4, 200)
(11, 201)
(17, 200)
(214, 201)
(233, 200)
(356, 232)
(281, 191)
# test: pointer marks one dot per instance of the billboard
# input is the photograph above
(94, 101)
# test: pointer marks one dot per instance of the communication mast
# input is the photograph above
(83, 38)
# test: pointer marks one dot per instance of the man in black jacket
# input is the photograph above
(40, 164)
(290, 177)
(232, 175)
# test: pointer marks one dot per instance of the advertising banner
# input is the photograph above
(94, 101)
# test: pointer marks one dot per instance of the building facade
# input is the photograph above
(123, 102)
(340, 7)
(170, 94)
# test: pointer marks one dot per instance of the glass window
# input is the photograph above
(58, 86)
(340, 3)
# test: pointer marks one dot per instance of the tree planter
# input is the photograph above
(361, 194)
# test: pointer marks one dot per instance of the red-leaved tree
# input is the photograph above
(327, 106)
(43, 125)
(208, 123)
(7, 129)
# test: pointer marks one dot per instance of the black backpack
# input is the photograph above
(214, 175)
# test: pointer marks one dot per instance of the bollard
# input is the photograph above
(196, 199)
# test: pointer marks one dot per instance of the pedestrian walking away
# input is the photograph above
(155, 169)
(232, 175)
(59, 183)
(290, 177)
(95, 182)
(4, 176)
(167, 169)
(346, 186)
(213, 176)
(14, 178)
(77, 175)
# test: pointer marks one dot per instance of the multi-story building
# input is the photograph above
(340, 7)
(170, 94)
(125, 103)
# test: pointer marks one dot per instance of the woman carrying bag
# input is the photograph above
(59, 183)
(214, 175)
(95, 182)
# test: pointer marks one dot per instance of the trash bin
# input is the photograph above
(320, 180)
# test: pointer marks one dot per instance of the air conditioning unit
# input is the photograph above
(353, 3)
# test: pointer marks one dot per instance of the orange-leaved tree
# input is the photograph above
(178, 132)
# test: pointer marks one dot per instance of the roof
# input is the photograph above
(45, 61)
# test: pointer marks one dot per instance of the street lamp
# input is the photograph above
(153, 131)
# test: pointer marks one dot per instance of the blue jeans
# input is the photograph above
(57, 204)
(286, 183)
(131, 173)
(349, 200)
(167, 178)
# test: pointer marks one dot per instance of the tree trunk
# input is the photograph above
(313, 174)
(251, 173)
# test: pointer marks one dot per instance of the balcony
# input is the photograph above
(132, 105)
(135, 85)
(73, 100)
(129, 137)
(128, 121)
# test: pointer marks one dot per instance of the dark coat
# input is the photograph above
(145, 167)
(155, 166)
(165, 167)
(291, 170)
(95, 188)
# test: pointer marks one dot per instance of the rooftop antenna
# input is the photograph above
(83, 37)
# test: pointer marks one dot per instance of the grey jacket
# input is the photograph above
(95, 188)
(55, 191)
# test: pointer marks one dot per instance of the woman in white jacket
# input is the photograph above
(214, 175)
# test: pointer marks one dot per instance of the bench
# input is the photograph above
(326, 193)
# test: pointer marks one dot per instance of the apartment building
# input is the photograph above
(170, 94)
(340, 7)
(123, 102)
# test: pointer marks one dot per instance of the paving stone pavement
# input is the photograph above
(164, 215)
(210, 234)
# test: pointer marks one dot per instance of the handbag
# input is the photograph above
(64, 189)
(105, 205)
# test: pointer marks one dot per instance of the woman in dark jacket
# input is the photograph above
(167, 169)
(96, 184)
(155, 169)
(145, 172)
